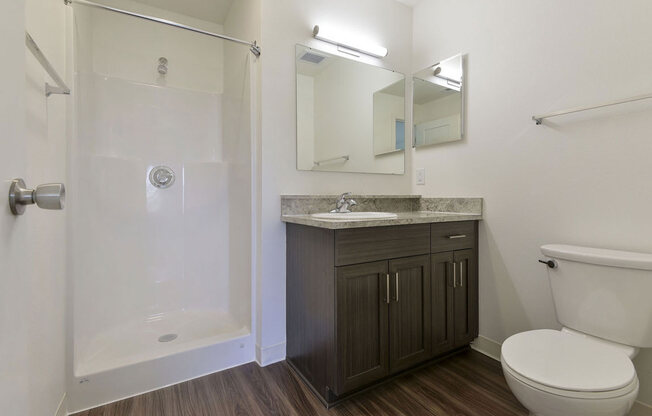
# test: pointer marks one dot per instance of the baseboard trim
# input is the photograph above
(491, 349)
(487, 346)
(641, 409)
(270, 355)
(62, 410)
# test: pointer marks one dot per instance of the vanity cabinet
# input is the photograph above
(383, 319)
(454, 297)
(367, 303)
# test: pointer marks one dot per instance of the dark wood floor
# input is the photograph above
(467, 384)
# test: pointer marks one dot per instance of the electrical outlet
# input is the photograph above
(421, 176)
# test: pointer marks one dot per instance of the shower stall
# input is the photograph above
(161, 201)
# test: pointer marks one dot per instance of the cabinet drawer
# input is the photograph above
(361, 245)
(449, 236)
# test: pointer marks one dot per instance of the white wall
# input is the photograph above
(286, 23)
(581, 179)
(32, 247)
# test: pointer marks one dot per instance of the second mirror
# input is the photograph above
(438, 103)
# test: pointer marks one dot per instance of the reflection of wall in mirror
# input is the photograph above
(431, 116)
(388, 110)
(335, 118)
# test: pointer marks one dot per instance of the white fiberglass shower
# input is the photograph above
(161, 202)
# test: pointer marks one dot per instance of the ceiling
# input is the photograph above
(425, 92)
(212, 10)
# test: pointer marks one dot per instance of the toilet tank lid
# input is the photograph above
(599, 256)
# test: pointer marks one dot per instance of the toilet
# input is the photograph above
(602, 299)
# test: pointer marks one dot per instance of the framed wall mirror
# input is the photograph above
(438, 103)
(350, 115)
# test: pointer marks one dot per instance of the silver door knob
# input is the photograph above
(46, 196)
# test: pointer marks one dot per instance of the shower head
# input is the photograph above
(437, 71)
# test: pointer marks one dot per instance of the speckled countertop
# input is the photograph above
(410, 209)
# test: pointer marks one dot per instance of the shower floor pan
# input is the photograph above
(156, 337)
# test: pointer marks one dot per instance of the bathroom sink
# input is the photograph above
(347, 216)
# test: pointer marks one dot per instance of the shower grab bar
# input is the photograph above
(61, 87)
(332, 159)
(253, 46)
(539, 119)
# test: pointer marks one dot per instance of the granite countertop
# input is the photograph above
(410, 209)
(418, 217)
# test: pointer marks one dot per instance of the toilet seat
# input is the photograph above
(568, 365)
(584, 395)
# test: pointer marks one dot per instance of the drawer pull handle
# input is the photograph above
(455, 236)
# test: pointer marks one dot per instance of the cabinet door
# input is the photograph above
(442, 315)
(362, 325)
(466, 297)
(409, 312)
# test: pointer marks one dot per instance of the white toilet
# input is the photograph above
(602, 298)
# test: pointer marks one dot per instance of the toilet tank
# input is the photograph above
(605, 293)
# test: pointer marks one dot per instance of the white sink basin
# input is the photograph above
(348, 216)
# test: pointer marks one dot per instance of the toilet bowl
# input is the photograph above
(560, 373)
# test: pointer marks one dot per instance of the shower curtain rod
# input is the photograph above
(253, 47)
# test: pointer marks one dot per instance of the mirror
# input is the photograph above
(350, 115)
(438, 103)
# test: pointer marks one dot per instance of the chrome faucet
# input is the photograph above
(344, 203)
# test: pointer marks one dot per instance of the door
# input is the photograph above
(466, 297)
(442, 308)
(362, 325)
(32, 246)
(409, 312)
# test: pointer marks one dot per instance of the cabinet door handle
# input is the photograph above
(454, 236)
(454, 275)
(387, 298)
(462, 274)
(397, 286)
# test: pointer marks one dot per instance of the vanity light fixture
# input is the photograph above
(358, 45)
(450, 81)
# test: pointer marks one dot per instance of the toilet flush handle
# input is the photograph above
(550, 263)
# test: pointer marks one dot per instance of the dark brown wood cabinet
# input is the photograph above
(362, 319)
(409, 312)
(366, 303)
(454, 300)
(465, 302)
(442, 298)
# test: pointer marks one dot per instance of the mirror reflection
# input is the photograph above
(438, 103)
(350, 115)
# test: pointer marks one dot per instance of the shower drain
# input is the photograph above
(167, 337)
